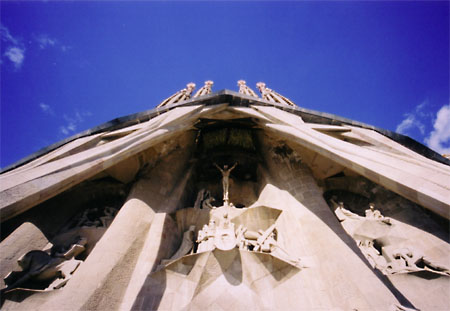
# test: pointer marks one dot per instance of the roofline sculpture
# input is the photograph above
(244, 89)
(205, 90)
(234, 98)
(179, 96)
(272, 96)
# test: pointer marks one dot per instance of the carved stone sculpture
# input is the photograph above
(205, 90)
(282, 153)
(89, 219)
(374, 214)
(225, 180)
(204, 200)
(38, 265)
(405, 260)
(387, 253)
(263, 241)
(267, 243)
(93, 217)
(205, 237)
(110, 213)
(272, 96)
(241, 240)
(225, 238)
(186, 245)
(179, 96)
(244, 89)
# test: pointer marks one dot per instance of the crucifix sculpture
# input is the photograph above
(225, 180)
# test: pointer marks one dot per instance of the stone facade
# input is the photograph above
(226, 201)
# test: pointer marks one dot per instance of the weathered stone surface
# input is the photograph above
(25, 238)
(272, 243)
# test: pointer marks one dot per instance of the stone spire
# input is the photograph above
(179, 96)
(244, 89)
(205, 90)
(272, 96)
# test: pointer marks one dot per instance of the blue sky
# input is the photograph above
(69, 66)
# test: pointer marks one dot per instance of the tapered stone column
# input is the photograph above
(129, 226)
(336, 273)
(159, 243)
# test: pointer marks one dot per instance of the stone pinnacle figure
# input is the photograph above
(205, 90)
(272, 96)
(244, 89)
(179, 96)
(225, 180)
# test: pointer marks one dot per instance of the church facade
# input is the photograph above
(227, 201)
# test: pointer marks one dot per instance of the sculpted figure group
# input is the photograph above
(204, 200)
(384, 250)
(221, 234)
(55, 264)
(40, 265)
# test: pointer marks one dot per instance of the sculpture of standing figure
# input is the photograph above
(225, 180)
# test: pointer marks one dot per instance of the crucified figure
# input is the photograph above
(225, 180)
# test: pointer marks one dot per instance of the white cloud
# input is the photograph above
(6, 36)
(415, 119)
(16, 55)
(64, 130)
(45, 41)
(73, 121)
(439, 138)
(65, 48)
(409, 123)
(15, 51)
(70, 126)
(46, 108)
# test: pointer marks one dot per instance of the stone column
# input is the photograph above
(161, 237)
(130, 225)
(337, 275)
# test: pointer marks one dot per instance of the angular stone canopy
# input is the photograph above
(135, 215)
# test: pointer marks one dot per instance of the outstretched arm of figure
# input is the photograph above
(233, 166)
(215, 164)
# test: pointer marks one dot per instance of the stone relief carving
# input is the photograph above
(56, 265)
(94, 217)
(382, 248)
(284, 154)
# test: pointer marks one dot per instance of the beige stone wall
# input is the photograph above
(336, 264)
(296, 163)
